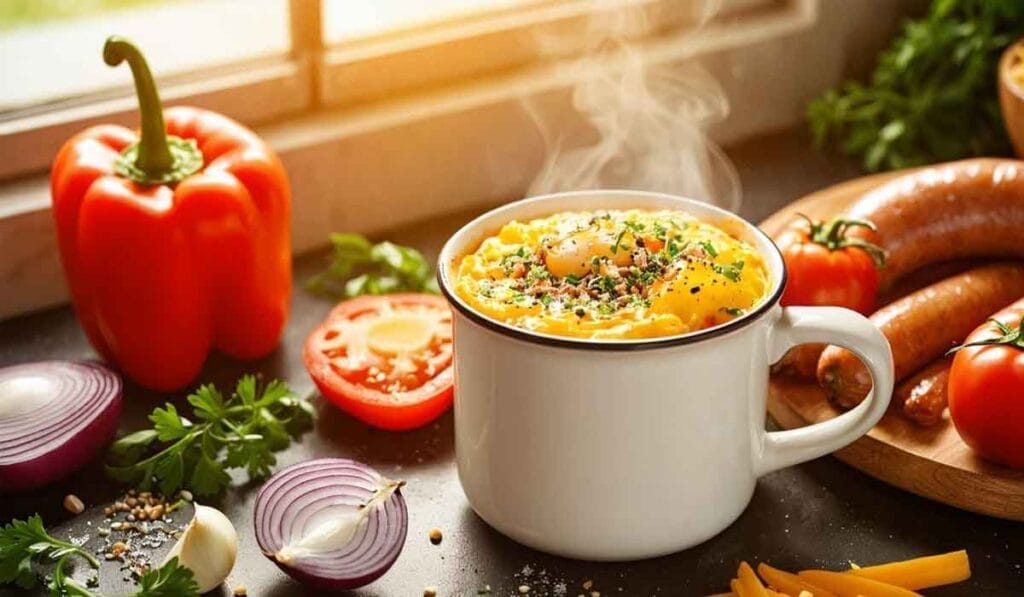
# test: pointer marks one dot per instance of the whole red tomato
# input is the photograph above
(828, 268)
(986, 388)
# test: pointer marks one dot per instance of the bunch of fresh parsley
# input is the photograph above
(23, 542)
(360, 267)
(243, 431)
(934, 93)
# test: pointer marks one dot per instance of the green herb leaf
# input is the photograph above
(932, 96)
(360, 267)
(709, 248)
(730, 272)
(245, 388)
(64, 586)
(208, 476)
(170, 471)
(618, 240)
(130, 447)
(168, 425)
(241, 432)
(208, 402)
(23, 542)
(170, 580)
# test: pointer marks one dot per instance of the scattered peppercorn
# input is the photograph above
(435, 536)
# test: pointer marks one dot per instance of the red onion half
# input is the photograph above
(332, 524)
(55, 416)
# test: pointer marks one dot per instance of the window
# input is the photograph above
(264, 60)
(179, 37)
(380, 52)
(55, 82)
(344, 20)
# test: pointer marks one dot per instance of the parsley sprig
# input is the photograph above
(360, 267)
(24, 542)
(243, 431)
(933, 95)
(170, 580)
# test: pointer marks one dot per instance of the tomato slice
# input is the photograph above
(386, 360)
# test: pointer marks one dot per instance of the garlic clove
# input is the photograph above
(208, 547)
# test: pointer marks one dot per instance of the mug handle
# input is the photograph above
(830, 325)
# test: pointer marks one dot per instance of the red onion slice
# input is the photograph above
(55, 416)
(332, 524)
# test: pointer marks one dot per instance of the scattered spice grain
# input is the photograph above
(73, 504)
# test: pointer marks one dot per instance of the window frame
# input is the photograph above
(421, 57)
(253, 91)
(313, 76)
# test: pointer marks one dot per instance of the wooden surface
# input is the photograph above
(931, 462)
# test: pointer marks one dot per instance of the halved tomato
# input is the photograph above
(386, 360)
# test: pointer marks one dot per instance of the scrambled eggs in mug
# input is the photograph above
(614, 274)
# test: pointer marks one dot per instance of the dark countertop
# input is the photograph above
(822, 513)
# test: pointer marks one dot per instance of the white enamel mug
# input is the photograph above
(629, 449)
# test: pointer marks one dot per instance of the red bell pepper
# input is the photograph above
(174, 241)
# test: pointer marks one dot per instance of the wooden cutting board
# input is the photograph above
(931, 462)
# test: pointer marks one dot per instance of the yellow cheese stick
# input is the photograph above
(789, 583)
(750, 585)
(921, 573)
(844, 584)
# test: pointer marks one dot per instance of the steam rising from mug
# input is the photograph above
(650, 120)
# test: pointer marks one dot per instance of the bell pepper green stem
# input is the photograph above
(154, 155)
(158, 158)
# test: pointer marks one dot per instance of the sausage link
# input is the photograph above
(800, 361)
(970, 208)
(923, 394)
(923, 325)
